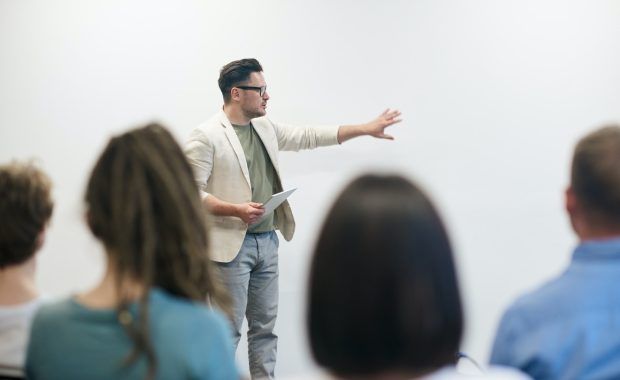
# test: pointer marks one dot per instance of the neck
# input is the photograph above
(598, 235)
(235, 115)
(17, 284)
(106, 295)
(588, 229)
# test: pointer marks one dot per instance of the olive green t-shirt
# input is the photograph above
(262, 173)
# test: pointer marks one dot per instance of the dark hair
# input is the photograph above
(145, 208)
(235, 73)
(25, 208)
(383, 289)
(595, 175)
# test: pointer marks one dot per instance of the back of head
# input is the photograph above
(25, 208)
(144, 207)
(595, 176)
(236, 73)
(383, 289)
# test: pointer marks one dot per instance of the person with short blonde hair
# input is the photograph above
(568, 328)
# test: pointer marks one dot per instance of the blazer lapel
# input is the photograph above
(236, 145)
(260, 131)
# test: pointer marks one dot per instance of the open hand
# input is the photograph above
(376, 128)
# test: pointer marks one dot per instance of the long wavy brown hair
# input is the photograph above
(144, 206)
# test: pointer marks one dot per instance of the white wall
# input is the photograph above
(494, 95)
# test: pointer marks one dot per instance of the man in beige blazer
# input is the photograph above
(234, 156)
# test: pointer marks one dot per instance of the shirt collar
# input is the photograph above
(598, 250)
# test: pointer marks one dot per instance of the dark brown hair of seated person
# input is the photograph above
(144, 206)
(383, 291)
(25, 208)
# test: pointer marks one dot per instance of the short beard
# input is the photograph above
(253, 114)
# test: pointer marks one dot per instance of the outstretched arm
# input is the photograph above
(375, 128)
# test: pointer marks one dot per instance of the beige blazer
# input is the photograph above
(220, 168)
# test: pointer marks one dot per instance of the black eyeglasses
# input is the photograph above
(261, 90)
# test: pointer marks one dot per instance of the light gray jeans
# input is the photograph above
(252, 281)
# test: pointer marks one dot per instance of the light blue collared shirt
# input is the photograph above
(570, 327)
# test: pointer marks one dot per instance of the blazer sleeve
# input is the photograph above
(295, 138)
(199, 153)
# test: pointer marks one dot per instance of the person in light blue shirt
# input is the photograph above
(148, 317)
(570, 327)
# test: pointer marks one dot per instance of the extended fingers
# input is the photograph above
(389, 117)
(394, 121)
(392, 114)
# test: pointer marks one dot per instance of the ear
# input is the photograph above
(235, 94)
(88, 219)
(579, 217)
(570, 201)
(40, 238)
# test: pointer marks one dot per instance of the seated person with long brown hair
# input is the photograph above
(148, 317)
(384, 299)
(25, 210)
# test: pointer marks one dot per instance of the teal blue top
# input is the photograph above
(71, 341)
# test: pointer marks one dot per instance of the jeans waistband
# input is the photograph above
(260, 233)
